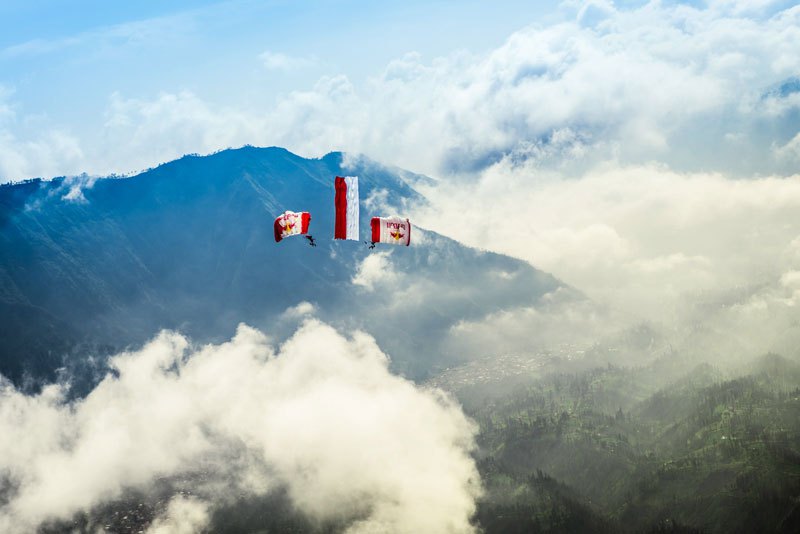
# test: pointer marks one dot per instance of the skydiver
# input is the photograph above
(311, 240)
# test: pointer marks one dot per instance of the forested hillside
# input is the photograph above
(600, 450)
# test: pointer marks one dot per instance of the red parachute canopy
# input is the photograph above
(291, 223)
(346, 201)
(392, 230)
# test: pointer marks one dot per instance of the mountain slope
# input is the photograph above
(189, 245)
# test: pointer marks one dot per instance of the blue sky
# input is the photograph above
(177, 77)
(59, 66)
(104, 87)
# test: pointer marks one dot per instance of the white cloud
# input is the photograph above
(558, 321)
(159, 130)
(300, 311)
(790, 151)
(36, 47)
(322, 418)
(593, 12)
(375, 269)
(50, 153)
(46, 152)
(184, 515)
(280, 61)
(641, 238)
(743, 7)
(75, 186)
(791, 281)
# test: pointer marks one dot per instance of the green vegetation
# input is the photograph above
(606, 450)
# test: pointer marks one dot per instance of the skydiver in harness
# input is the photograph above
(311, 240)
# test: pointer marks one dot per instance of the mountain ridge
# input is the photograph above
(188, 245)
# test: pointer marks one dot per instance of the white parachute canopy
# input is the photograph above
(391, 230)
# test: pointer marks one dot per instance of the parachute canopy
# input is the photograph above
(346, 201)
(291, 223)
(392, 230)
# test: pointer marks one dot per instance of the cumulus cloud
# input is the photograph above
(301, 310)
(375, 268)
(644, 84)
(320, 418)
(44, 151)
(148, 132)
(48, 153)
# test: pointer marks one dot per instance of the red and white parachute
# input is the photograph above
(291, 223)
(392, 230)
(346, 203)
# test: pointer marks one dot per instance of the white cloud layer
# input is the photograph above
(693, 251)
(321, 418)
(618, 227)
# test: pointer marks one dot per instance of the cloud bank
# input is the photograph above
(320, 418)
(641, 235)
(710, 258)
